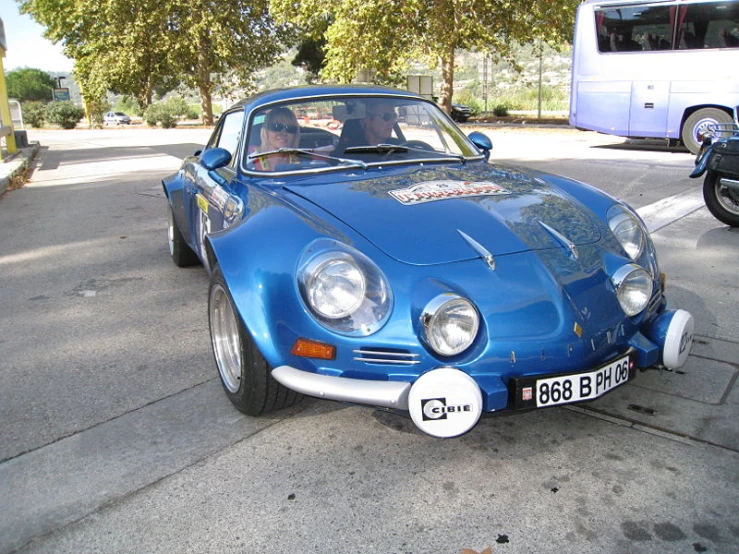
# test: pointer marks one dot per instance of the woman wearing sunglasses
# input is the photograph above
(280, 130)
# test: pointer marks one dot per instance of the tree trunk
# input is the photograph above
(206, 106)
(447, 80)
(205, 87)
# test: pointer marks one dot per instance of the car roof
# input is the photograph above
(317, 91)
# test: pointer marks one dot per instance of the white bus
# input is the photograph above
(658, 68)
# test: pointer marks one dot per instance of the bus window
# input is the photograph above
(712, 25)
(629, 29)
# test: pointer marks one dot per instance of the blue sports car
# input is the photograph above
(361, 248)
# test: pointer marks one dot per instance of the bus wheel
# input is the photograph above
(697, 124)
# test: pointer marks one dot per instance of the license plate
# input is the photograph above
(566, 389)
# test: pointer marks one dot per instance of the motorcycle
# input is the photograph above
(718, 158)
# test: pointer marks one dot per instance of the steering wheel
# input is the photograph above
(418, 144)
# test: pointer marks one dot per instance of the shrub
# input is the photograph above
(64, 114)
(466, 98)
(162, 113)
(501, 110)
(34, 113)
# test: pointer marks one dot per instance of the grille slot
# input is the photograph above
(386, 356)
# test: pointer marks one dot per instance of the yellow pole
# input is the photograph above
(7, 119)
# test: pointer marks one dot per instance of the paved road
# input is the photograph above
(116, 436)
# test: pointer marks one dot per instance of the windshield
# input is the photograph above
(336, 131)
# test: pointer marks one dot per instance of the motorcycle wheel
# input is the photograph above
(720, 201)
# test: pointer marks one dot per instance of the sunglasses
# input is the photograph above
(387, 116)
(279, 127)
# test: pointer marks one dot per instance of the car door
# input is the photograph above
(215, 203)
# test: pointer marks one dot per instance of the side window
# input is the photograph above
(709, 25)
(634, 29)
(230, 131)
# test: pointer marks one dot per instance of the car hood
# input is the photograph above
(445, 215)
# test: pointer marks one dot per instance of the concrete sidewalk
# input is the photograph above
(15, 164)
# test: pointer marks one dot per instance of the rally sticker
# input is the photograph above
(430, 191)
(202, 203)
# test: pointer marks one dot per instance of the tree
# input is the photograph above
(30, 85)
(121, 46)
(386, 34)
(213, 41)
(149, 46)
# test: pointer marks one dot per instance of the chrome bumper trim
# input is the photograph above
(388, 394)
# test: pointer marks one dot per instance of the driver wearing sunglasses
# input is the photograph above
(379, 122)
(280, 130)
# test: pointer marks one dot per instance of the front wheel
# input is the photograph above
(244, 373)
(722, 202)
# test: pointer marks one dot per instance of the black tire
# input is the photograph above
(245, 375)
(719, 201)
(697, 123)
(182, 254)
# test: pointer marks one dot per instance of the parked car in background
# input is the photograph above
(461, 113)
(361, 248)
(116, 118)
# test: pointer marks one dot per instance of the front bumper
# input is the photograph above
(667, 342)
(387, 394)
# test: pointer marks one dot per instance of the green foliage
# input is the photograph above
(527, 98)
(386, 35)
(167, 112)
(129, 105)
(148, 47)
(64, 114)
(177, 105)
(311, 55)
(501, 110)
(466, 98)
(96, 110)
(27, 84)
(34, 113)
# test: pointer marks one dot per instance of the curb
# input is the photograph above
(16, 164)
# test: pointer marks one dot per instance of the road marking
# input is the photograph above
(666, 211)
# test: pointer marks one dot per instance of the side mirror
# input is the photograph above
(483, 143)
(215, 158)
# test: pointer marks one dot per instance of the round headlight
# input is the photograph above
(627, 229)
(450, 324)
(336, 287)
(343, 289)
(633, 288)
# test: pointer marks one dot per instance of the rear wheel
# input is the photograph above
(182, 254)
(722, 202)
(697, 123)
(244, 373)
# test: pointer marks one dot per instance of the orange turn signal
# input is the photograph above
(313, 349)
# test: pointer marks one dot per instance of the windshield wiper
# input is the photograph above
(381, 148)
(307, 152)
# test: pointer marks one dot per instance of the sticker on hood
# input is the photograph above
(430, 191)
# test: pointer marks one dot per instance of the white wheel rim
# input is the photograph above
(224, 331)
